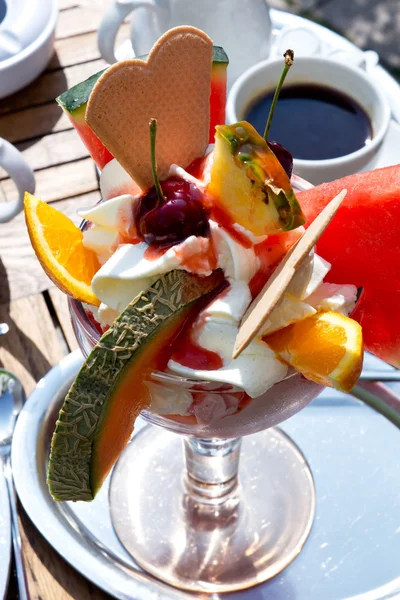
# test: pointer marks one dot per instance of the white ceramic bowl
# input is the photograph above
(347, 79)
(26, 42)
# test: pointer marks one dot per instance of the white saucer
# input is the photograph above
(389, 154)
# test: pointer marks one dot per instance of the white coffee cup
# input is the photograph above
(350, 80)
(242, 28)
(26, 42)
(21, 173)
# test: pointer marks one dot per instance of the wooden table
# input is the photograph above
(36, 312)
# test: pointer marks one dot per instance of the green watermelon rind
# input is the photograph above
(77, 96)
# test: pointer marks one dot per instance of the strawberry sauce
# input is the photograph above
(190, 354)
(155, 252)
(219, 215)
(196, 167)
(201, 262)
(270, 252)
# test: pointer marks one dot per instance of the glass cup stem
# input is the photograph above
(211, 468)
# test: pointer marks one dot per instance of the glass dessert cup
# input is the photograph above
(201, 519)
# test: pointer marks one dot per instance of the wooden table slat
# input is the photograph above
(33, 122)
(51, 150)
(59, 182)
(78, 20)
(49, 576)
(31, 347)
(49, 85)
(73, 51)
(79, 49)
(60, 304)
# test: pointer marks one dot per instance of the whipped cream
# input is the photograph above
(115, 181)
(310, 275)
(254, 371)
(237, 262)
(334, 296)
(111, 223)
(128, 272)
(257, 368)
(128, 268)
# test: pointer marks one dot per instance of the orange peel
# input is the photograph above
(58, 245)
(326, 348)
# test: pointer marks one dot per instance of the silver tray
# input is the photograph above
(353, 550)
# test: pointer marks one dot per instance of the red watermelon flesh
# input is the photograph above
(95, 147)
(217, 98)
(363, 245)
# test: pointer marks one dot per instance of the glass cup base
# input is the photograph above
(249, 537)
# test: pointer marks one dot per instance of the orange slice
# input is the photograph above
(58, 245)
(326, 348)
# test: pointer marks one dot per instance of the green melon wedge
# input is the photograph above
(99, 411)
(74, 102)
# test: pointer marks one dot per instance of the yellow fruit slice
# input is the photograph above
(326, 348)
(58, 245)
(248, 183)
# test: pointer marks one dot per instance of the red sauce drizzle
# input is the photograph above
(270, 252)
(93, 321)
(188, 353)
(226, 222)
(191, 355)
(245, 401)
(203, 261)
(128, 238)
(264, 251)
(196, 167)
(154, 252)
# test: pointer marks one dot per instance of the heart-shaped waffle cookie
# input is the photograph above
(172, 86)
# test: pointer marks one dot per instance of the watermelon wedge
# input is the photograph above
(74, 101)
(363, 245)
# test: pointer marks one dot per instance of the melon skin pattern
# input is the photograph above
(363, 245)
(74, 101)
(99, 411)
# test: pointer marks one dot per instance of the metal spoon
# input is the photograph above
(12, 398)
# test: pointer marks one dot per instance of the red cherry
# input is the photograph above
(283, 155)
(179, 216)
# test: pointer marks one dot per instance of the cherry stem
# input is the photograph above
(153, 133)
(289, 58)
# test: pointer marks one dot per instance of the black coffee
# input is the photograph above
(313, 122)
(3, 10)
